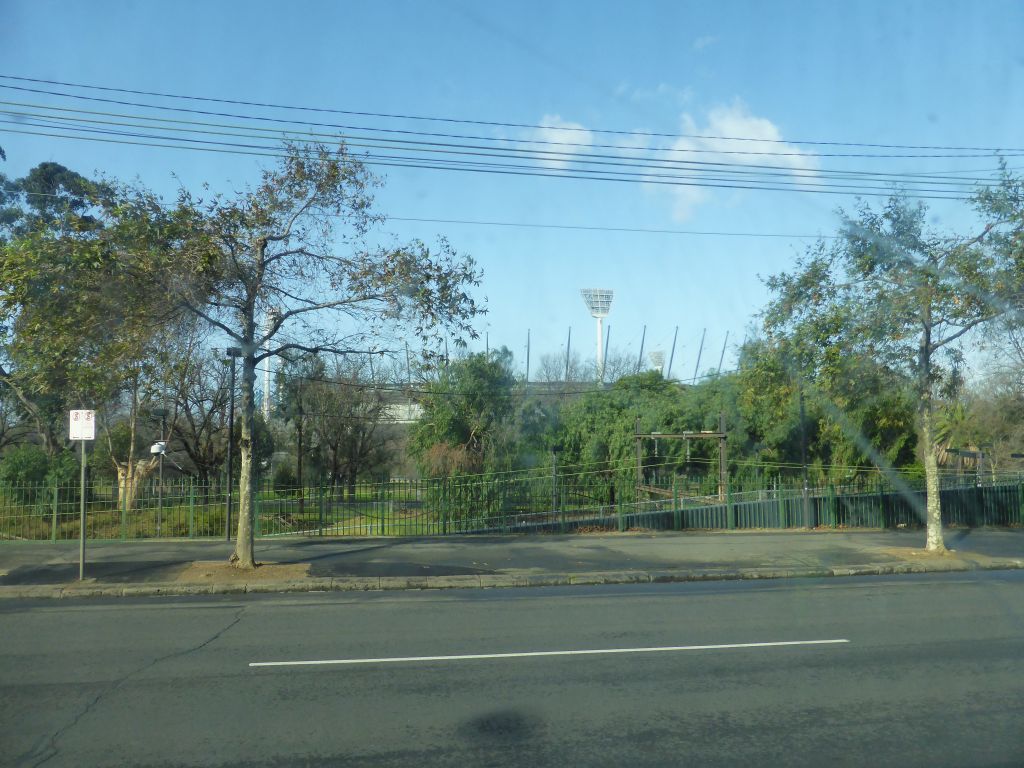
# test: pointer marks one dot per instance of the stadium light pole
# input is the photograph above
(599, 302)
(658, 361)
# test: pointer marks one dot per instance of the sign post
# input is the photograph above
(83, 427)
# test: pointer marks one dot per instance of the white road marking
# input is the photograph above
(528, 654)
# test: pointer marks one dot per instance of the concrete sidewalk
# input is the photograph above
(154, 567)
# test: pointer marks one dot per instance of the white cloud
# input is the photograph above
(663, 94)
(716, 142)
(567, 139)
(703, 42)
(729, 134)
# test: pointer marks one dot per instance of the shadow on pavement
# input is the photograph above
(393, 569)
(122, 572)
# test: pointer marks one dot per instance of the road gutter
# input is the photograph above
(496, 581)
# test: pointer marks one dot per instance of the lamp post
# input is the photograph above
(232, 353)
(808, 522)
(160, 448)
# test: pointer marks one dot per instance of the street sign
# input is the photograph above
(83, 425)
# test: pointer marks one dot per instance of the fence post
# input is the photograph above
(191, 508)
(53, 517)
(730, 509)
(321, 503)
(677, 513)
(442, 500)
(622, 515)
(122, 507)
(554, 484)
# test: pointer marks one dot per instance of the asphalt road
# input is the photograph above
(932, 675)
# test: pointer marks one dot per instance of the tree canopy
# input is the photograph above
(894, 293)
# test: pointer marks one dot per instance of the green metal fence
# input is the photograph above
(540, 500)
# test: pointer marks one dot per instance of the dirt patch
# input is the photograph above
(910, 553)
(221, 572)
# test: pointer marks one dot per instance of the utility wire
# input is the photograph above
(578, 165)
(541, 225)
(711, 151)
(177, 125)
(494, 123)
(641, 230)
(449, 166)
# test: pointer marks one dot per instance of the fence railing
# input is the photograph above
(538, 501)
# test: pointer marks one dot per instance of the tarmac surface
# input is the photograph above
(914, 671)
(43, 569)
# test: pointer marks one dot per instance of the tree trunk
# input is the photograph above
(933, 504)
(244, 556)
(129, 472)
(351, 485)
(129, 480)
(933, 514)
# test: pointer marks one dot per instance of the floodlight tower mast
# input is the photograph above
(599, 302)
(658, 361)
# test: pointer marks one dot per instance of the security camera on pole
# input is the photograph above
(83, 427)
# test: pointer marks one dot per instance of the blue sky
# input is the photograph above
(928, 73)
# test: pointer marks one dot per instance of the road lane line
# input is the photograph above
(528, 654)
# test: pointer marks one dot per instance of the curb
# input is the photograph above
(493, 581)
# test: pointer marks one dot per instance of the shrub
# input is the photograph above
(285, 482)
(24, 465)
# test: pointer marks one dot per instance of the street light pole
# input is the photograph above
(162, 447)
(808, 522)
(232, 353)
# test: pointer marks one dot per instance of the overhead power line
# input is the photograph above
(689, 150)
(389, 161)
(643, 173)
(540, 225)
(585, 228)
(571, 227)
(499, 124)
(487, 155)
(171, 125)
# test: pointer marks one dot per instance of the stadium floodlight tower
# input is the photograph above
(658, 360)
(599, 302)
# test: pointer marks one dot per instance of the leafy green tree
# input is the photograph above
(891, 291)
(598, 429)
(29, 471)
(858, 404)
(282, 268)
(49, 231)
(14, 429)
(82, 328)
(467, 410)
(346, 411)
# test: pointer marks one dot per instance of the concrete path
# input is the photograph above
(32, 569)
